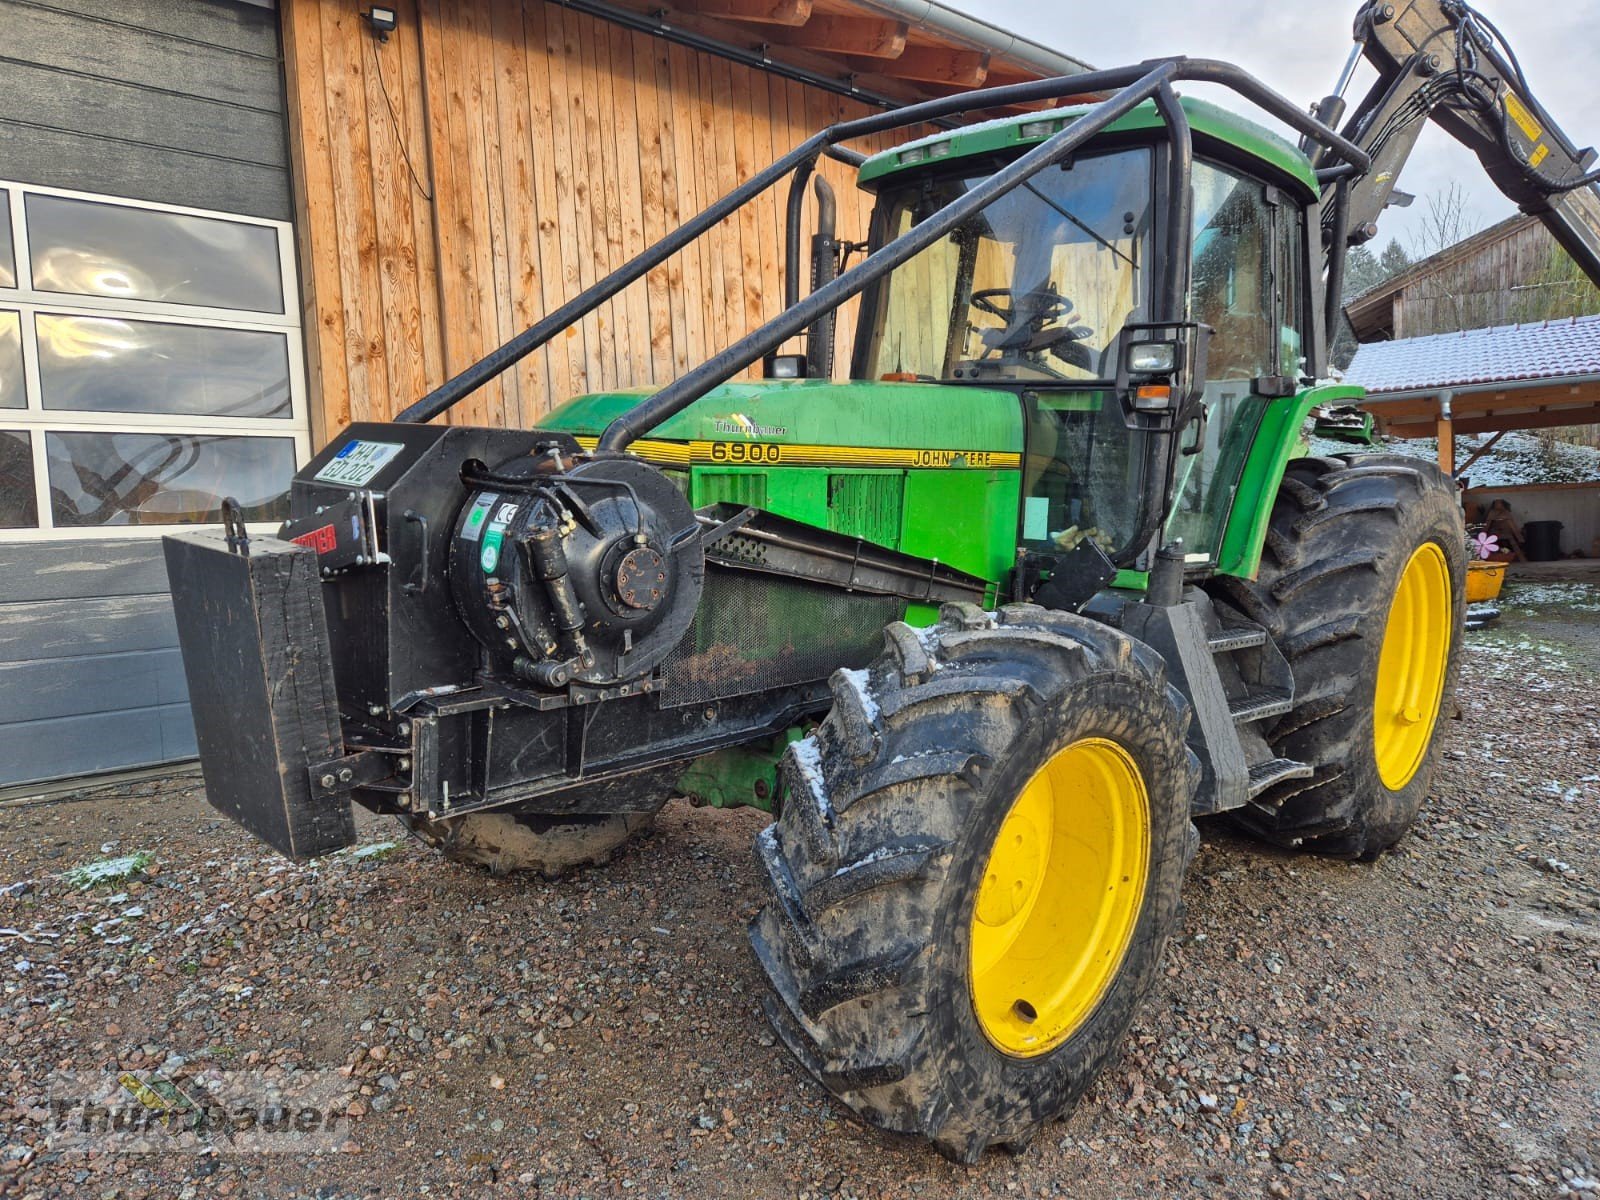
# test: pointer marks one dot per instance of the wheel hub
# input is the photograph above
(1015, 873)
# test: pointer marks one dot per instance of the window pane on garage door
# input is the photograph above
(154, 377)
(89, 248)
(113, 364)
(165, 478)
(151, 136)
(8, 256)
(18, 507)
(12, 394)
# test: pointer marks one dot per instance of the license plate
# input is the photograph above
(357, 462)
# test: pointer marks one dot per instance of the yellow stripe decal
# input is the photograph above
(771, 454)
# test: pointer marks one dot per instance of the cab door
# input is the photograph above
(1247, 282)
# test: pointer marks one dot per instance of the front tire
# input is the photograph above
(509, 842)
(975, 871)
(1362, 585)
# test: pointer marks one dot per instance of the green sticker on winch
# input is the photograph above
(489, 558)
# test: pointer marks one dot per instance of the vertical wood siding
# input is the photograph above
(1504, 282)
(493, 158)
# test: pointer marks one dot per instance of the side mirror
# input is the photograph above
(1161, 370)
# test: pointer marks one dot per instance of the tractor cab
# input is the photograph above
(1055, 291)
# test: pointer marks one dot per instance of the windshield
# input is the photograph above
(1033, 289)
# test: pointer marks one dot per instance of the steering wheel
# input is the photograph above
(1029, 330)
(1040, 304)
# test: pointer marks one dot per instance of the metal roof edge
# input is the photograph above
(932, 17)
(1483, 331)
(1479, 386)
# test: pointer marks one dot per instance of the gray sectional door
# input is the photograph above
(150, 352)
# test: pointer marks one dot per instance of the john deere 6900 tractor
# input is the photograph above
(984, 628)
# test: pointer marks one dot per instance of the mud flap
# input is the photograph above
(255, 654)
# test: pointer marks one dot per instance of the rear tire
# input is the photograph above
(1345, 532)
(884, 860)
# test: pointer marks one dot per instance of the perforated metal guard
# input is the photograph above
(755, 632)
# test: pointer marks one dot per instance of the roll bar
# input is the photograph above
(1129, 86)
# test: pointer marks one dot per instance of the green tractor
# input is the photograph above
(985, 628)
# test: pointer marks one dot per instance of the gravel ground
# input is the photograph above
(1423, 1027)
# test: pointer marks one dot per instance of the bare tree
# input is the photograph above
(1449, 221)
(1444, 298)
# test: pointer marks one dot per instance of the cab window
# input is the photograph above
(1231, 279)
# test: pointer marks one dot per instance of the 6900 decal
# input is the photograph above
(746, 452)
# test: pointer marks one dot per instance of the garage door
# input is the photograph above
(150, 352)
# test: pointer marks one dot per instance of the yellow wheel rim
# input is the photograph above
(1411, 667)
(1061, 894)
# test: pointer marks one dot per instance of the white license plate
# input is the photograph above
(357, 462)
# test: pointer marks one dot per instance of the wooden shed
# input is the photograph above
(1498, 276)
(230, 227)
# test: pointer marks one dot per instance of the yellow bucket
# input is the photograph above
(1483, 580)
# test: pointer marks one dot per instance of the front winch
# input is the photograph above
(575, 572)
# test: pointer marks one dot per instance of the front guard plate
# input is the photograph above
(255, 653)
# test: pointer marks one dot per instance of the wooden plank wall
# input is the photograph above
(492, 159)
(1503, 283)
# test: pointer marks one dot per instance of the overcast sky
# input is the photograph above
(1298, 48)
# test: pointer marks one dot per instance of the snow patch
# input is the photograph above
(808, 763)
(879, 855)
(1578, 597)
(31, 937)
(900, 758)
(1517, 458)
(860, 681)
(373, 850)
(108, 870)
